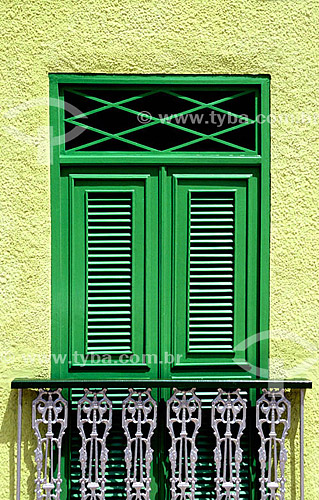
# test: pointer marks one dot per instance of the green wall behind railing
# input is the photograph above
(150, 36)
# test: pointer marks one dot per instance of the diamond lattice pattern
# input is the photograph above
(161, 120)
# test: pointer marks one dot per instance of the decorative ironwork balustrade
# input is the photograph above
(183, 422)
(139, 414)
(228, 423)
(273, 423)
(94, 421)
(49, 422)
(145, 431)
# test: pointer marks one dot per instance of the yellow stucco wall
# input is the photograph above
(151, 36)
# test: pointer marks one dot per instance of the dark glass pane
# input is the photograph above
(110, 111)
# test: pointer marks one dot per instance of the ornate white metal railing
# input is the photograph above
(139, 413)
(230, 420)
(228, 423)
(49, 422)
(94, 421)
(273, 422)
(183, 422)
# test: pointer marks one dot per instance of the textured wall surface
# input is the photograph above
(150, 36)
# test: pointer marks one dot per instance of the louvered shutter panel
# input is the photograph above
(211, 271)
(214, 272)
(114, 274)
(109, 272)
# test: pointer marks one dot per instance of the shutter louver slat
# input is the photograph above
(211, 272)
(109, 272)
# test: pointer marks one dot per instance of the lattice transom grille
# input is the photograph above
(157, 119)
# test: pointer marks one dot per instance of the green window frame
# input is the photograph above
(161, 183)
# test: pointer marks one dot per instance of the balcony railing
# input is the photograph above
(237, 410)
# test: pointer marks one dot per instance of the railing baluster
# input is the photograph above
(50, 410)
(183, 422)
(94, 421)
(139, 420)
(19, 439)
(228, 423)
(273, 412)
(302, 444)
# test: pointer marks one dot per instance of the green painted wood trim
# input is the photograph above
(264, 236)
(59, 301)
(226, 383)
(63, 164)
(118, 79)
(104, 158)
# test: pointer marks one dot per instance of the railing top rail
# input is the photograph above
(20, 383)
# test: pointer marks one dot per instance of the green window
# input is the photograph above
(160, 238)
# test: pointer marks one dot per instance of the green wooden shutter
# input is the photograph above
(214, 240)
(114, 236)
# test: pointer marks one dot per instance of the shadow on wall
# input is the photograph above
(9, 423)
